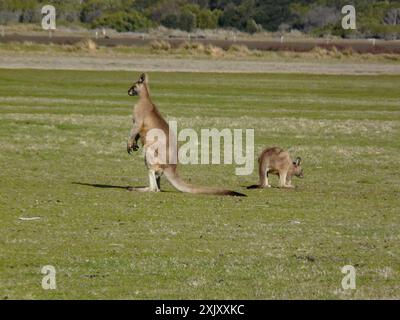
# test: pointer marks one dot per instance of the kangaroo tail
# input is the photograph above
(254, 186)
(182, 186)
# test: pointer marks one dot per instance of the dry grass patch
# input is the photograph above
(160, 45)
(240, 50)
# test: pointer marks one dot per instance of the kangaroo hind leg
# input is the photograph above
(263, 174)
(158, 180)
(282, 180)
(154, 181)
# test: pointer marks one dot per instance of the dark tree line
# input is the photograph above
(379, 18)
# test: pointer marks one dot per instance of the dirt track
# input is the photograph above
(191, 65)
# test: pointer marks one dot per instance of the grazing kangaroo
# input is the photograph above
(277, 161)
(146, 118)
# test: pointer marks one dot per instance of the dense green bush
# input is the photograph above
(123, 21)
(208, 19)
(375, 18)
(187, 21)
(171, 21)
(252, 26)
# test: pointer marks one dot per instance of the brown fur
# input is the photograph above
(277, 161)
(147, 117)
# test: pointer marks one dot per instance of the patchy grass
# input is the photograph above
(61, 132)
(193, 49)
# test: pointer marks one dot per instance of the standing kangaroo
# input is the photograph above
(277, 161)
(146, 118)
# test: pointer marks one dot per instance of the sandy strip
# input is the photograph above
(192, 65)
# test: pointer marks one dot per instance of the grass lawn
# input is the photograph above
(63, 131)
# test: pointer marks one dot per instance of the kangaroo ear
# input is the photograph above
(297, 162)
(143, 78)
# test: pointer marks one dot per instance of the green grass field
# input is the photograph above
(61, 132)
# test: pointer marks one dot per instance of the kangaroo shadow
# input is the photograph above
(109, 186)
(103, 186)
(256, 186)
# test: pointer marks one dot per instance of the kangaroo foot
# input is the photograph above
(139, 189)
(288, 186)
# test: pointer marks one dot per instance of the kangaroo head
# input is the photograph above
(297, 169)
(139, 87)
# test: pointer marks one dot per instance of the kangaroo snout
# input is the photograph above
(132, 92)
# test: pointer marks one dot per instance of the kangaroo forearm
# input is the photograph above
(132, 141)
(134, 134)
